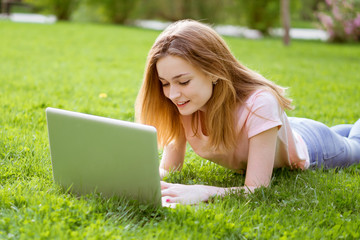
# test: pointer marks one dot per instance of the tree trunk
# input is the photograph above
(285, 14)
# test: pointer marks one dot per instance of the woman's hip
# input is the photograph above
(326, 148)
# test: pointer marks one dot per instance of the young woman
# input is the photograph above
(195, 91)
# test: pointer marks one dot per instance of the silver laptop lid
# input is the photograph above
(96, 154)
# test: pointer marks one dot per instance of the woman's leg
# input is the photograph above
(354, 141)
(326, 147)
(342, 129)
(355, 132)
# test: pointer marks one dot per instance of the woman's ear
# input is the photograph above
(214, 80)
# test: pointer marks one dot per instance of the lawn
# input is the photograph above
(98, 69)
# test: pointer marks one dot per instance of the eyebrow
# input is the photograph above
(176, 77)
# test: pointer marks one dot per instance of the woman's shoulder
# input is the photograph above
(261, 97)
(260, 112)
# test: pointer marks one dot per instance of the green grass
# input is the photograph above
(69, 65)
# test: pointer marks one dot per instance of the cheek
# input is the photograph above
(208, 91)
(166, 92)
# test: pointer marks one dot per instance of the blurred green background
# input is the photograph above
(257, 14)
(341, 19)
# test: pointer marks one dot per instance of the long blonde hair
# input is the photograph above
(200, 45)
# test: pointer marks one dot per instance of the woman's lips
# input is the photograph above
(182, 104)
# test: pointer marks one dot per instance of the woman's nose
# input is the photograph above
(174, 92)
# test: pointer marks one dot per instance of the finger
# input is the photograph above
(164, 185)
(168, 192)
(167, 202)
(179, 200)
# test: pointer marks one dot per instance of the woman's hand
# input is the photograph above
(173, 194)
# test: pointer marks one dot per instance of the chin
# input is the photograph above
(186, 113)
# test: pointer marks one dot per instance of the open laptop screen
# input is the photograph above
(113, 157)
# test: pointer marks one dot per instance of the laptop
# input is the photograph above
(92, 154)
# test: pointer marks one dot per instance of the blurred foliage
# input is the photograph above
(260, 14)
(62, 9)
(89, 13)
(115, 11)
(305, 9)
(341, 19)
(212, 11)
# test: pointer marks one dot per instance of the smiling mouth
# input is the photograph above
(181, 104)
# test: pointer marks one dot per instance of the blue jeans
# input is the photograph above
(338, 146)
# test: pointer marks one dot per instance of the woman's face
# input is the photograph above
(184, 84)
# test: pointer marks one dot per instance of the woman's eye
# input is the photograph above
(165, 84)
(184, 83)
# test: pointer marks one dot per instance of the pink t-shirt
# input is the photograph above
(260, 112)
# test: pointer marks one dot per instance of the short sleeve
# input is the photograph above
(264, 113)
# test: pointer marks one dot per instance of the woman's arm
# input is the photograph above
(173, 157)
(259, 170)
(261, 158)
